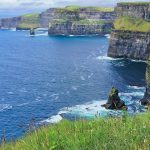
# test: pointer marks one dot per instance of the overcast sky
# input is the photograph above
(17, 7)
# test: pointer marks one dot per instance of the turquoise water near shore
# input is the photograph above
(43, 78)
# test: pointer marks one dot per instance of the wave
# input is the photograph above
(52, 120)
(108, 58)
(107, 35)
(4, 107)
(43, 34)
(135, 94)
(23, 104)
(135, 87)
(133, 60)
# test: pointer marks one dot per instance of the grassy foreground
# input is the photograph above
(107, 134)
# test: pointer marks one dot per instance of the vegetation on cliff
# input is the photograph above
(29, 21)
(79, 8)
(132, 24)
(80, 22)
(134, 3)
(114, 133)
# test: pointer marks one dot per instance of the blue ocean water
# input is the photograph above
(43, 76)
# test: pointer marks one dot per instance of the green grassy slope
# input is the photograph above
(132, 24)
(29, 21)
(90, 8)
(116, 133)
(134, 3)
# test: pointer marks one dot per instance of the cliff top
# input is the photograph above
(88, 8)
(132, 24)
(29, 21)
(133, 3)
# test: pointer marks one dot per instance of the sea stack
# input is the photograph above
(146, 99)
(114, 102)
(32, 32)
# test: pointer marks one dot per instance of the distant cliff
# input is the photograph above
(81, 27)
(10, 22)
(131, 36)
(79, 20)
(22, 22)
(68, 20)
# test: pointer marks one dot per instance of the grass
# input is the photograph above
(132, 24)
(89, 22)
(30, 21)
(81, 22)
(114, 133)
(78, 9)
(134, 3)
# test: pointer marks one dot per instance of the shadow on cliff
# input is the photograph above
(130, 71)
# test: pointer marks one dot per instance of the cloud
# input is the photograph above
(43, 4)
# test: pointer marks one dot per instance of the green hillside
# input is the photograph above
(29, 21)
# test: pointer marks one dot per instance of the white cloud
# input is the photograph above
(42, 4)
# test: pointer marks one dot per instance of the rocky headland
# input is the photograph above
(131, 35)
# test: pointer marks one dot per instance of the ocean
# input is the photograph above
(45, 78)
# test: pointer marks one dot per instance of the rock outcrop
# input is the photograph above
(128, 44)
(114, 101)
(146, 99)
(131, 36)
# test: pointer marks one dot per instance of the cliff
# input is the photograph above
(69, 20)
(22, 22)
(135, 9)
(76, 13)
(131, 35)
(10, 22)
(146, 99)
(79, 20)
(81, 27)
(129, 44)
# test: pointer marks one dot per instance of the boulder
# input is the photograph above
(114, 101)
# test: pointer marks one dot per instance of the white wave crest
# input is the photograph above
(136, 87)
(52, 120)
(4, 107)
(108, 58)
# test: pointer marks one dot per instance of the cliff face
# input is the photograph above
(81, 21)
(128, 44)
(79, 29)
(83, 13)
(131, 37)
(136, 10)
(146, 99)
(10, 22)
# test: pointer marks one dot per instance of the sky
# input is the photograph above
(10, 8)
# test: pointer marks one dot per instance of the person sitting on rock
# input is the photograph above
(114, 101)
